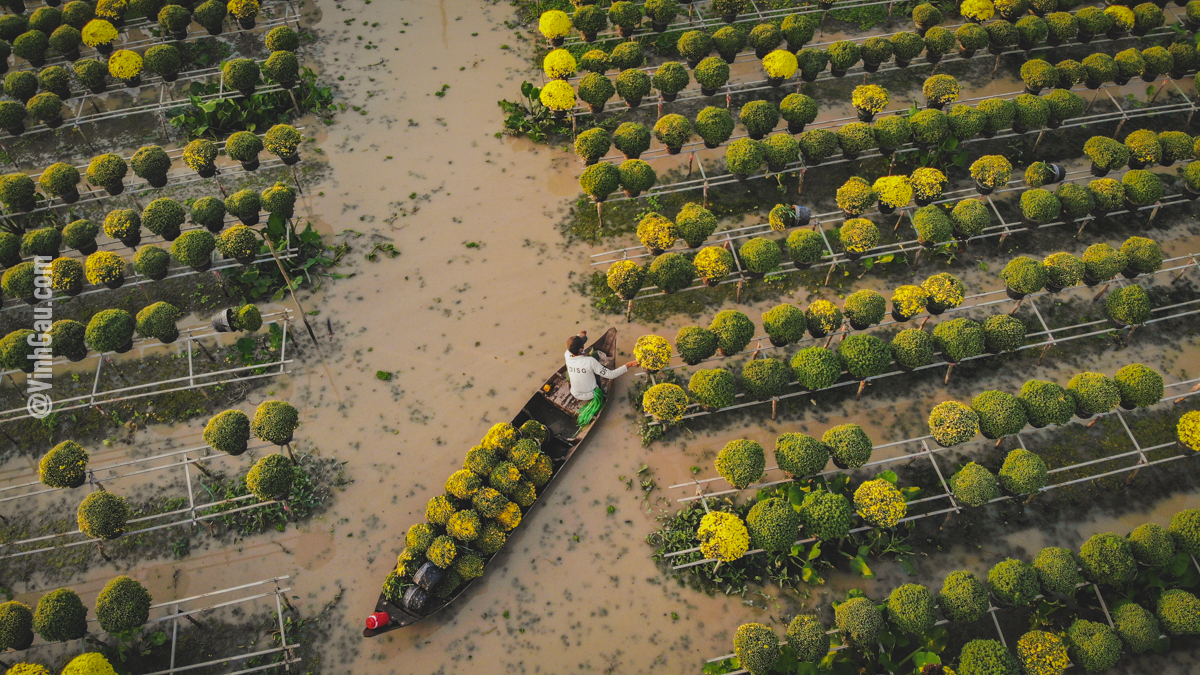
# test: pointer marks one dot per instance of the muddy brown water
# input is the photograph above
(469, 319)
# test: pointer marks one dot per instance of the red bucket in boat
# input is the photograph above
(378, 620)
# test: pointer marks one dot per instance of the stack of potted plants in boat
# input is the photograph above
(468, 524)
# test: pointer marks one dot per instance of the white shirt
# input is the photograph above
(583, 370)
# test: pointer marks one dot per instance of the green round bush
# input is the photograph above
(825, 515)
(695, 224)
(784, 324)
(1000, 414)
(110, 329)
(849, 446)
(1142, 255)
(974, 485)
(1179, 613)
(1094, 393)
(817, 145)
(1023, 472)
(1140, 386)
(1076, 201)
(930, 127)
(194, 248)
(714, 125)
(1185, 530)
(741, 462)
(800, 455)
(864, 356)
(806, 637)
(1013, 582)
(228, 432)
(712, 388)
(816, 368)
(733, 329)
(912, 348)
(123, 604)
(44, 241)
(969, 218)
(864, 308)
(1107, 559)
(773, 525)
(281, 38)
(672, 272)
(1063, 270)
(798, 109)
(1057, 571)
(963, 598)
(103, 515)
(760, 255)
(910, 608)
(16, 628)
(805, 247)
(1003, 333)
(765, 379)
(281, 67)
(151, 261)
(711, 73)
(158, 321)
(694, 344)
(272, 477)
(275, 422)
(932, 224)
(860, 623)
(1136, 626)
(1152, 545)
(952, 423)
(209, 213)
(959, 339)
(1039, 206)
(744, 157)
(1142, 188)
(756, 646)
(892, 132)
(60, 615)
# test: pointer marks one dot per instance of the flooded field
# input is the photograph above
(419, 353)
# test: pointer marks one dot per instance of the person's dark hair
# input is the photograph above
(575, 344)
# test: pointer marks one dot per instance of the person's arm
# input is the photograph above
(599, 369)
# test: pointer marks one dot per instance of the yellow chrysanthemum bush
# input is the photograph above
(558, 96)
(554, 24)
(893, 191)
(1042, 653)
(652, 352)
(928, 183)
(98, 32)
(559, 64)
(780, 64)
(111, 9)
(723, 536)
(870, 98)
(665, 402)
(243, 9)
(125, 64)
(880, 503)
(1188, 431)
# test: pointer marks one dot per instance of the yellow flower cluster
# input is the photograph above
(780, 64)
(928, 183)
(98, 32)
(199, 155)
(652, 352)
(870, 98)
(1122, 17)
(554, 24)
(979, 10)
(945, 290)
(104, 266)
(559, 64)
(92, 663)
(27, 669)
(909, 300)
(125, 64)
(712, 262)
(509, 517)
(666, 402)
(858, 238)
(111, 9)
(723, 536)
(893, 191)
(880, 503)
(243, 9)
(1188, 430)
(558, 96)
(1042, 653)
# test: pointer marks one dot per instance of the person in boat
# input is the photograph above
(583, 369)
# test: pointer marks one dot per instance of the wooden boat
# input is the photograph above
(553, 406)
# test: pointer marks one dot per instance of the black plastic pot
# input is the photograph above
(809, 77)
(170, 77)
(71, 196)
(903, 63)
(633, 102)
(1015, 295)
(99, 89)
(625, 31)
(115, 189)
(729, 18)
(74, 289)
(132, 240)
(885, 209)
(803, 216)
(632, 194)
(692, 63)
(88, 248)
(204, 266)
(1187, 191)
(247, 24)
(1053, 288)
(72, 55)
(1121, 80)
(170, 234)
(1019, 128)
(865, 115)
(775, 81)
(669, 98)
(125, 347)
(933, 58)
(837, 73)
(870, 67)
(1098, 171)
(169, 337)
(135, 81)
(859, 326)
(704, 91)
(216, 30)
(115, 284)
(53, 122)
(105, 48)
(850, 156)
(222, 321)
(711, 146)
(923, 201)
(207, 172)
(1136, 163)
(967, 53)
(983, 190)
(757, 136)
(1053, 123)
(1130, 273)
(795, 128)
(157, 181)
(415, 600)
(159, 275)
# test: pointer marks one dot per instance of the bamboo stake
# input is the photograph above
(288, 279)
(949, 368)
